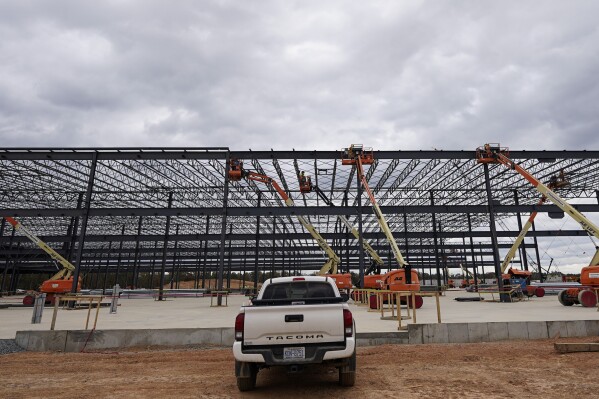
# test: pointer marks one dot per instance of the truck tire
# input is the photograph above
(246, 382)
(347, 374)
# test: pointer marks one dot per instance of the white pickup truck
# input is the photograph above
(295, 321)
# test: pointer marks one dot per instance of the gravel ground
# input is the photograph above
(9, 346)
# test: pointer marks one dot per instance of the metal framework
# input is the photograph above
(134, 211)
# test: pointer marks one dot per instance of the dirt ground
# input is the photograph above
(512, 369)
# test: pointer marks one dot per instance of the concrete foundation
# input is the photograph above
(193, 321)
(501, 331)
(77, 340)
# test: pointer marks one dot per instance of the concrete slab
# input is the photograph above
(577, 328)
(498, 331)
(435, 334)
(458, 332)
(592, 327)
(537, 329)
(478, 332)
(22, 338)
(517, 330)
(196, 313)
(42, 341)
(557, 329)
(227, 336)
(416, 333)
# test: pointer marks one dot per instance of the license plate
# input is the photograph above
(294, 353)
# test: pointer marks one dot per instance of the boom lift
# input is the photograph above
(61, 282)
(589, 276)
(343, 281)
(395, 280)
(522, 277)
(377, 261)
(468, 279)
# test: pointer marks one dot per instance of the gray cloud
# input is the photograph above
(308, 75)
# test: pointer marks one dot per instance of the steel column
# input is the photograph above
(256, 260)
(435, 242)
(360, 232)
(223, 230)
(174, 271)
(164, 249)
(536, 244)
(81, 241)
(474, 267)
(118, 262)
(135, 274)
(496, 259)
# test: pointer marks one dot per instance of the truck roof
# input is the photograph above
(298, 278)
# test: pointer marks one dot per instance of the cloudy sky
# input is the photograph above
(300, 74)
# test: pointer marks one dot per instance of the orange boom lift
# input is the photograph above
(237, 173)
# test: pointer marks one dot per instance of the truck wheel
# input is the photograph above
(248, 381)
(347, 374)
(562, 297)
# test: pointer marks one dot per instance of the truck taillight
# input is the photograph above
(239, 320)
(348, 323)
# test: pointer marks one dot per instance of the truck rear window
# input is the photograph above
(299, 290)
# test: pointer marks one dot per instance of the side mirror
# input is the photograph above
(345, 297)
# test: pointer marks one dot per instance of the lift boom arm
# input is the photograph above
(379, 215)
(333, 261)
(367, 247)
(67, 267)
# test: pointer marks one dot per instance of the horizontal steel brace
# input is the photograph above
(220, 153)
(96, 253)
(297, 236)
(291, 211)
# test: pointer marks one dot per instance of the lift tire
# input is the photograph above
(540, 292)
(50, 299)
(587, 298)
(28, 300)
(563, 298)
(372, 304)
(418, 299)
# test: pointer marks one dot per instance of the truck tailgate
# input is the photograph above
(296, 324)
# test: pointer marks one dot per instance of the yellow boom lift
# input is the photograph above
(61, 282)
(589, 276)
(395, 280)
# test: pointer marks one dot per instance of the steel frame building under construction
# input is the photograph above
(165, 213)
